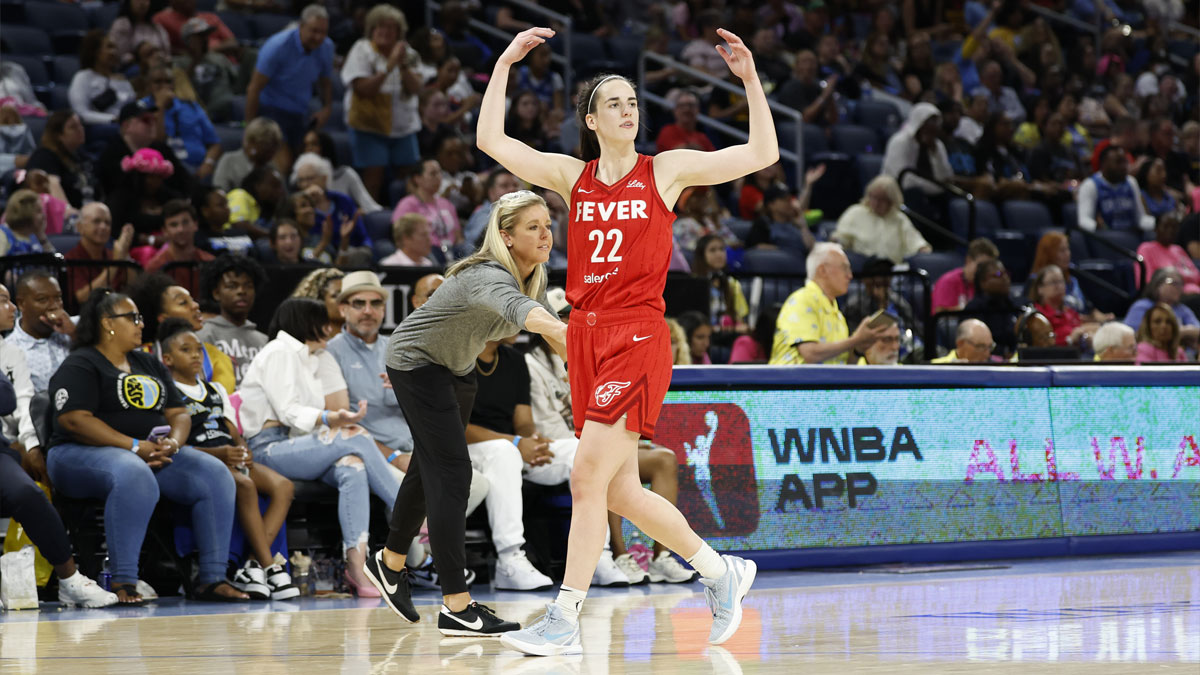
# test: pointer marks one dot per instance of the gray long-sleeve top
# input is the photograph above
(481, 303)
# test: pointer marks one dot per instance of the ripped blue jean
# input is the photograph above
(312, 457)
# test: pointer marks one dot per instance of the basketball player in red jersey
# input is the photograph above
(618, 346)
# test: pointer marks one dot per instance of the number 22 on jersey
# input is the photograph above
(599, 236)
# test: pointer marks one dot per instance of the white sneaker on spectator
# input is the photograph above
(666, 568)
(516, 573)
(251, 580)
(633, 571)
(607, 573)
(280, 583)
(78, 590)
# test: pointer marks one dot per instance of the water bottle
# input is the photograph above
(105, 579)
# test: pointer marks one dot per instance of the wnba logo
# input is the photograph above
(606, 392)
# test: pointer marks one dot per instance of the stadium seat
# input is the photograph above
(739, 227)
(869, 166)
(853, 139)
(36, 126)
(26, 40)
(771, 261)
(879, 115)
(624, 51)
(1016, 252)
(341, 144)
(104, 15)
(382, 248)
(266, 25)
(337, 116)
(64, 242)
(67, 23)
(1070, 214)
(987, 219)
(379, 225)
(58, 98)
(231, 136)
(936, 263)
(65, 67)
(815, 141)
(34, 67)
(1127, 240)
(1026, 216)
(238, 24)
(12, 12)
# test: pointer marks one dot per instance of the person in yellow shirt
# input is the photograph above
(811, 328)
(972, 344)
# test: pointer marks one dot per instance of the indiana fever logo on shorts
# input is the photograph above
(139, 391)
(608, 391)
(718, 490)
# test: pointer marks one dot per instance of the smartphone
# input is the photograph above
(879, 319)
(159, 433)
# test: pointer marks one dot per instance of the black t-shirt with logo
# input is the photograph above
(131, 403)
(500, 392)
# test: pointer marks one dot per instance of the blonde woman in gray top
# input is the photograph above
(491, 295)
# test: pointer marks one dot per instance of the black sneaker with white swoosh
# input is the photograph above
(475, 621)
(393, 585)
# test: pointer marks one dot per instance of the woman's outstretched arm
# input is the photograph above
(549, 170)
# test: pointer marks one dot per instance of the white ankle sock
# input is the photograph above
(707, 562)
(570, 601)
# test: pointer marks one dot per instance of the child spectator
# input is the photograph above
(698, 332)
(727, 304)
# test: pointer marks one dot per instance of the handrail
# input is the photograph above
(1133, 256)
(952, 189)
(1100, 281)
(796, 155)
(563, 60)
(932, 224)
(1096, 29)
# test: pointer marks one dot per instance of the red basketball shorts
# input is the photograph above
(620, 363)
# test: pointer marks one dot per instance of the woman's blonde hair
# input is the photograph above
(406, 225)
(314, 284)
(505, 212)
(1144, 332)
(890, 186)
(22, 209)
(382, 13)
(681, 351)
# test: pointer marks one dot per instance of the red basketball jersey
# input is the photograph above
(618, 241)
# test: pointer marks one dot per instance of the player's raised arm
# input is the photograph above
(675, 170)
(549, 170)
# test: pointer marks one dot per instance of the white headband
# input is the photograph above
(593, 94)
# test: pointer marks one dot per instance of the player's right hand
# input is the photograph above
(525, 41)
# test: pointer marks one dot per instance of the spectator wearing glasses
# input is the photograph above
(1166, 287)
(885, 351)
(972, 344)
(187, 126)
(108, 398)
(1048, 293)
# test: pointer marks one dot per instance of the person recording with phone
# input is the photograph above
(108, 399)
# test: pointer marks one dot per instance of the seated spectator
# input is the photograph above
(23, 231)
(59, 214)
(23, 501)
(138, 123)
(211, 73)
(1162, 146)
(507, 447)
(755, 186)
(781, 222)
(1163, 252)
(425, 200)
(260, 143)
(1110, 197)
(16, 424)
(324, 285)
(536, 76)
(174, 17)
(287, 246)
(835, 69)
(424, 288)
(434, 108)
(1114, 341)
(45, 329)
(916, 146)
(189, 130)
(993, 304)
(162, 297)
(698, 332)
(755, 347)
(146, 57)
(701, 215)
(439, 68)
(1124, 133)
(885, 351)
(972, 344)
(98, 90)
(460, 184)
(1002, 162)
(918, 72)
(212, 207)
(684, 132)
(232, 282)
(214, 431)
(108, 397)
(253, 205)
(58, 155)
(381, 97)
(875, 68)
(15, 84)
(1049, 294)
(527, 123)
(1078, 137)
(1158, 337)
(16, 143)
(142, 196)
(464, 100)
(414, 242)
(311, 174)
(179, 231)
(134, 26)
(876, 295)
(298, 210)
(1055, 248)
(1033, 329)
(289, 428)
(1001, 99)
(877, 227)
(1157, 200)
(954, 289)
(700, 52)
(1166, 287)
(344, 179)
(497, 184)
(290, 64)
(728, 310)
(805, 93)
(95, 234)
(1051, 160)
(810, 328)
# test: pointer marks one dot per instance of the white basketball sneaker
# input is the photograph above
(633, 571)
(516, 573)
(666, 568)
(607, 573)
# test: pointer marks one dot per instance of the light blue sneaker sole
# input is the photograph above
(742, 589)
(515, 643)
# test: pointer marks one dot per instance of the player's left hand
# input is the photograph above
(737, 56)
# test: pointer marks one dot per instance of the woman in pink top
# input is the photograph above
(425, 200)
(1164, 252)
(1158, 337)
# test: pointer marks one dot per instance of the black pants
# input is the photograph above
(22, 500)
(437, 405)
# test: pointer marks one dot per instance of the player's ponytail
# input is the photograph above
(505, 212)
(589, 145)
